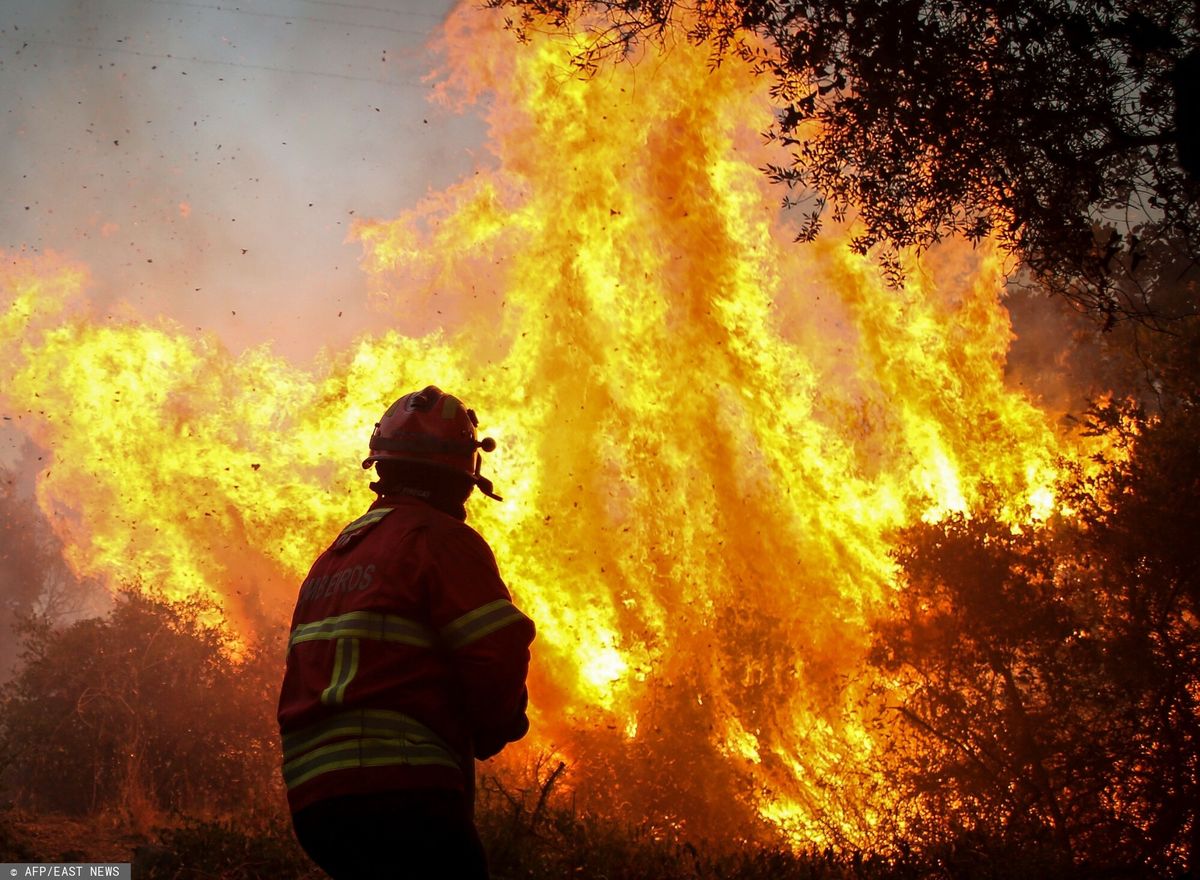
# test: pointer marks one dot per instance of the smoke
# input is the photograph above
(207, 162)
(1062, 358)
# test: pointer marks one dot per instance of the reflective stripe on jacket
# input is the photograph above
(361, 738)
(405, 651)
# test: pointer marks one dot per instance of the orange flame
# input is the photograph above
(706, 433)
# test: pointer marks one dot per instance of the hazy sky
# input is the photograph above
(205, 159)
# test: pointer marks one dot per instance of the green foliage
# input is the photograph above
(141, 711)
(1065, 129)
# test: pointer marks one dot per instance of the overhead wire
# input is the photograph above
(102, 50)
(239, 11)
(124, 50)
(405, 12)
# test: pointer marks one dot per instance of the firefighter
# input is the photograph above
(406, 662)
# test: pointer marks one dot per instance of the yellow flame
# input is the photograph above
(706, 433)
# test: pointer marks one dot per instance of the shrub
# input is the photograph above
(141, 711)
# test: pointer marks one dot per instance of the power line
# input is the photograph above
(290, 18)
(101, 50)
(428, 15)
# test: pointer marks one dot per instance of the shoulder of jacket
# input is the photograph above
(356, 529)
(447, 533)
(445, 527)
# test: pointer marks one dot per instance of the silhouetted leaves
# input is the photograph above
(1052, 674)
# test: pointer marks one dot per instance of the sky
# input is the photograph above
(206, 159)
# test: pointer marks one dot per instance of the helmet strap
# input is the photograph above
(485, 486)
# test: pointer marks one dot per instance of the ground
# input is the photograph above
(49, 838)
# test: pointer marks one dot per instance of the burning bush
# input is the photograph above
(141, 711)
(1055, 672)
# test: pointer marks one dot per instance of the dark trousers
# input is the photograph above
(403, 835)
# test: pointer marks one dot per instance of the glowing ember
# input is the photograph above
(706, 433)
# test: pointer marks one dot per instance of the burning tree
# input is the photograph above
(1053, 673)
(1065, 130)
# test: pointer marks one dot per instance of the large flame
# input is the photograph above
(706, 432)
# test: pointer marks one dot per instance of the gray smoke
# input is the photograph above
(206, 160)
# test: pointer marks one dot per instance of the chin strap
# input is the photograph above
(487, 444)
(485, 486)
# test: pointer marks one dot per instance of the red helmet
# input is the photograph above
(432, 428)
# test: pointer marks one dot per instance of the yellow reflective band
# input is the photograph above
(364, 625)
(371, 516)
(360, 723)
(476, 624)
(345, 667)
(365, 738)
(363, 753)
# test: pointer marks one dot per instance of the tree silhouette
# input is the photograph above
(1052, 674)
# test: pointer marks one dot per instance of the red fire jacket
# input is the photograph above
(406, 659)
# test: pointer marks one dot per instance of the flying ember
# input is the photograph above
(706, 433)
